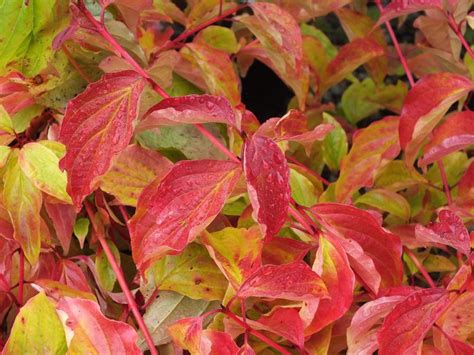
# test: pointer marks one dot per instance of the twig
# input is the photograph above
(75, 64)
(397, 47)
(121, 280)
(454, 26)
(420, 267)
(444, 178)
(300, 219)
(216, 142)
(308, 170)
(255, 333)
(21, 277)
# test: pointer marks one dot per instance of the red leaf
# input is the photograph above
(332, 264)
(450, 230)
(425, 105)
(465, 195)
(98, 125)
(284, 250)
(456, 133)
(63, 217)
(189, 109)
(351, 223)
(405, 327)
(397, 8)
(349, 58)
(285, 322)
(173, 211)
(295, 281)
(362, 333)
(370, 147)
(93, 333)
(267, 174)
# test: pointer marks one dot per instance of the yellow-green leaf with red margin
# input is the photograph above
(192, 273)
(105, 274)
(23, 202)
(132, 170)
(218, 37)
(216, 69)
(37, 329)
(350, 57)
(280, 36)
(357, 25)
(237, 252)
(425, 105)
(173, 211)
(93, 332)
(41, 165)
(387, 201)
(332, 264)
(7, 134)
(370, 147)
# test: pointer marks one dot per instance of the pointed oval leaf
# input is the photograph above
(173, 211)
(407, 324)
(456, 133)
(216, 69)
(93, 332)
(267, 174)
(458, 320)
(237, 251)
(370, 147)
(63, 217)
(41, 165)
(401, 8)
(133, 169)
(332, 264)
(37, 329)
(294, 281)
(386, 200)
(362, 333)
(351, 223)
(450, 230)
(23, 202)
(280, 36)
(350, 57)
(98, 125)
(189, 109)
(425, 105)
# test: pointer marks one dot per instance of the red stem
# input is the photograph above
(75, 64)
(256, 333)
(190, 32)
(296, 215)
(444, 178)
(121, 280)
(216, 142)
(420, 267)
(397, 47)
(308, 170)
(21, 276)
(454, 26)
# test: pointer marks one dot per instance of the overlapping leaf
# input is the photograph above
(267, 177)
(370, 147)
(98, 125)
(170, 213)
(382, 247)
(425, 105)
(94, 333)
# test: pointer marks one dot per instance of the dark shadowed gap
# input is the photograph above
(264, 93)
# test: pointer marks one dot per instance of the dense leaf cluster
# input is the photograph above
(144, 208)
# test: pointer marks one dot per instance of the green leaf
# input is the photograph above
(167, 309)
(192, 273)
(396, 176)
(37, 329)
(302, 189)
(219, 37)
(334, 144)
(21, 120)
(41, 165)
(81, 229)
(27, 30)
(23, 202)
(104, 270)
(386, 200)
(7, 134)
